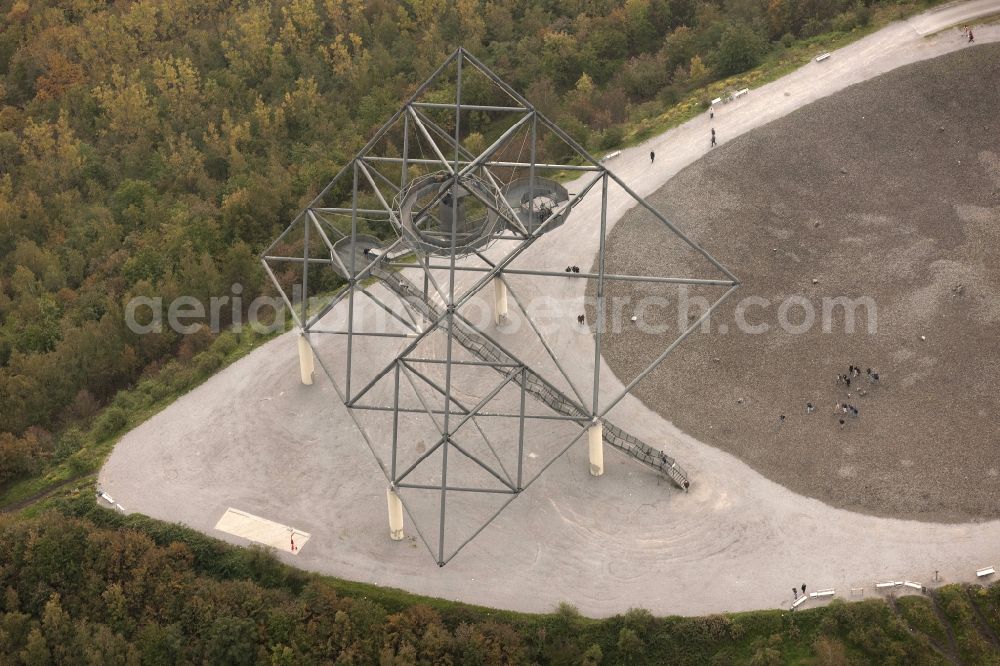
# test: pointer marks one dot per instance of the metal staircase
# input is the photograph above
(559, 402)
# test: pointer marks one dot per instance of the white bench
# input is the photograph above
(988, 571)
(717, 100)
(107, 498)
(915, 586)
(823, 593)
(740, 93)
(798, 602)
(886, 584)
(611, 156)
(823, 56)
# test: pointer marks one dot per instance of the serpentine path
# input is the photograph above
(254, 439)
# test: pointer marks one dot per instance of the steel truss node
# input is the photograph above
(418, 225)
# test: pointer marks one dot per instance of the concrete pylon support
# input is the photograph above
(595, 436)
(307, 364)
(499, 301)
(395, 515)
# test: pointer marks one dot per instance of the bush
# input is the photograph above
(630, 646)
(593, 656)
(864, 14)
(132, 401)
(845, 22)
(68, 443)
(787, 40)
(225, 343)
(813, 27)
(17, 456)
(156, 389)
(208, 362)
(612, 137)
(739, 49)
(110, 422)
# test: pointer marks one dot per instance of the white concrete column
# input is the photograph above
(395, 515)
(307, 364)
(595, 435)
(499, 301)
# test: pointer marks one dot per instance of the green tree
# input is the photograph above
(739, 50)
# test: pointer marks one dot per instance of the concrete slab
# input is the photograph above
(263, 531)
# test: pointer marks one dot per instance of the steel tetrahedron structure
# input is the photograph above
(401, 277)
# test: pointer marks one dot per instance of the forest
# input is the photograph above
(83, 585)
(151, 148)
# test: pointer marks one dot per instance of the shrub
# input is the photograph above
(17, 456)
(593, 656)
(845, 22)
(813, 27)
(208, 362)
(864, 14)
(630, 646)
(739, 49)
(225, 343)
(110, 422)
(612, 137)
(68, 443)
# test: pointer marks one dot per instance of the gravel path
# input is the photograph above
(888, 191)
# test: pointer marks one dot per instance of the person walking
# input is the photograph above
(713, 137)
(711, 112)
(803, 588)
(971, 38)
(652, 156)
(795, 593)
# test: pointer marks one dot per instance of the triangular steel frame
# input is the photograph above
(436, 305)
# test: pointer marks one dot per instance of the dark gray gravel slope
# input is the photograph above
(888, 190)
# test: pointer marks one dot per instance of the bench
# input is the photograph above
(988, 571)
(799, 601)
(822, 593)
(107, 498)
(915, 586)
(823, 56)
(740, 93)
(717, 100)
(611, 156)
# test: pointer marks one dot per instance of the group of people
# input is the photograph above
(842, 408)
(845, 408)
(711, 116)
(853, 372)
(572, 269)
